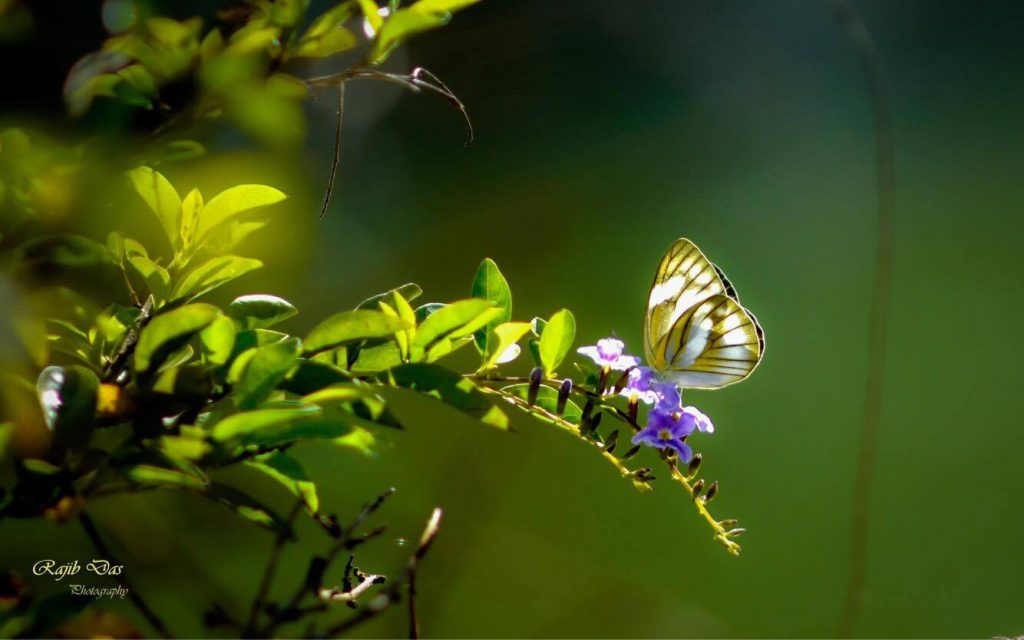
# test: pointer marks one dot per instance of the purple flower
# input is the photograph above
(669, 426)
(640, 382)
(667, 429)
(702, 421)
(608, 353)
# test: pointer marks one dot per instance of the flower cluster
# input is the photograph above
(669, 423)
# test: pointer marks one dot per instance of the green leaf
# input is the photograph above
(212, 274)
(489, 284)
(449, 387)
(248, 507)
(168, 332)
(149, 475)
(161, 197)
(218, 341)
(503, 338)
(312, 376)
(287, 470)
(403, 23)
(451, 322)
(233, 202)
(556, 340)
(350, 326)
(409, 291)
(265, 369)
(259, 311)
(190, 382)
(157, 278)
(191, 211)
(547, 399)
(65, 251)
(380, 357)
(68, 398)
(262, 425)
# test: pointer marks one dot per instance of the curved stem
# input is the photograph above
(101, 547)
(874, 73)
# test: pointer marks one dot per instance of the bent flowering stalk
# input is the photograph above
(667, 427)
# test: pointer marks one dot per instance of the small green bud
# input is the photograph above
(733, 533)
(728, 523)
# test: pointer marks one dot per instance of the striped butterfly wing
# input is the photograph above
(684, 278)
(712, 344)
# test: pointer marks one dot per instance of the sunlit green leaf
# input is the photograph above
(410, 291)
(289, 472)
(169, 331)
(349, 326)
(259, 311)
(248, 507)
(157, 278)
(218, 340)
(312, 376)
(161, 198)
(233, 202)
(451, 322)
(489, 284)
(403, 23)
(503, 338)
(262, 424)
(449, 387)
(265, 369)
(149, 475)
(556, 340)
(212, 274)
(187, 382)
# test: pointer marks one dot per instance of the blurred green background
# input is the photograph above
(605, 130)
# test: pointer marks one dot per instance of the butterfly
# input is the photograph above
(696, 332)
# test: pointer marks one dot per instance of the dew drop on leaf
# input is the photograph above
(48, 387)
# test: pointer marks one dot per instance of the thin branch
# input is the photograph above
(874, 73)
(101, 547)
(336, 161)
(414, 82)
(268, 573)
(394, 594)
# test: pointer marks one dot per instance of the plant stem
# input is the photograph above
(721, 534)
(874, 73)
(101, 547)
(268, 573)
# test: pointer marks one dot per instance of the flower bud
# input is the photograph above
(535, 377)
(712, 490)
(698, 487)
(621, 382)
(612, 440)
(643, 474)
(728, 523)
(694, 464)
(596, 421)
(634, 407)
(603, 380)
(733, 533)
(563, 396)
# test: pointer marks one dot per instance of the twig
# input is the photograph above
(336, 161)
(268, 573)
(101, 547)
(113, 368)
(413, 82)
(721, 533)
(874, 73)
(379, 604)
